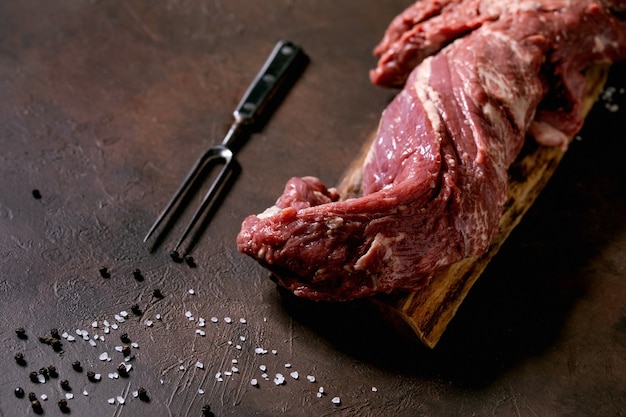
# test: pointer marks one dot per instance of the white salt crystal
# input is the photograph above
(235, 369)
(120, 399)
(311, 378)
(374, 389)
(85, 393)
(119, 318)
(114, 326)
(70, 338)
(107, 330)
(64, 335)
(119, 348)
(69, 395)
(214, 319)
(234, 361)
(104, 356)
(44, 397)
(106, 323)
(92, 342)
(260, 351)
(41, 379)
(254, 382)
(97, 377)
(263, 368)
(242, 338)
(238, 347)
(242, 320)
(200, 391)
(279, 379)
(181, 368)
(287, 365)
(199, 365)
(135, 394)
(336, 400)
(191, 291)
(294, 375)
(113, 375)
(149, 323)
(124, 313)
(79, 332)
(228, 373)
(111, 400)
(274, 352)
(228, 320)
(158, 317)
(94, 324)
(265, 376)
(135, 345)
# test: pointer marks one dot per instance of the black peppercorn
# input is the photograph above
(19, 392)
(206, 410)
(34, 376)
(156, 293)
(62, 403)
(77, 366)
(143, 395)
(65, 385)
(36, 407)
(190, 261)
(44, 372)
(32, 396)
(52, 371)
(36, 194)
(104, 272)
(121, 370)
(176, 256)
(126, 350)
(137, 274)
(19, 358)
(21, 333)
(91, 376)
(57, 345)
(135, 309)
(45, 340)
(55, 334)
(124, 338)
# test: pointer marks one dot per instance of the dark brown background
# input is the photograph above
(104, 106)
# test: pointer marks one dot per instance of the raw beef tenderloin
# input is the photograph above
(486, 73)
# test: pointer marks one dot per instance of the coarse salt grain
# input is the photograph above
(104, 356)
(69, 395)
(287, 365)
(124, 313)
(92, 342)
(254, 382)
(274, 352)
(294, 375)
(149, 323)
(228, 373)
(214, 319)
(200, 391)
(374, 389)
(234, 361)
(44, 397)
(158, 317)
(70, 338)
(85, 393)
(238, 347)
(181, 368)
(228, 320)
(242, 338)
(311, 378)
(97, 377)
(120, 399)
(119, 318)
(119, 348)
(107, 330)
(279, 379)
(188, 314)
(113, 375)
(111, 400)
(260, 351)
(94, 324)
(242, 320)
(263, 368)
(106, 323)
(235, 370)
(336, 400)
(41, 379)
(135, 345)
(135, 394)
(191, 291)
(199, 365)
(114, 326)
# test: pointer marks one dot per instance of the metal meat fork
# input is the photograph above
(282, 66)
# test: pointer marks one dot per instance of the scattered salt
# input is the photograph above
(263, 368)
(199, 365)
(104, 356)
(235, 370)
(114, 326)
(70, 338)
(191, 291)
(97, 377)
(200, 391)
(238, 347)
(287, 365)
(44, 397)
(94, 324)
(188, 313)
(124, 313)
(106, 323)
(64, 335)
(92, 342)
(260, 351)
(228, 373)
(158, 317)
(214, 319)
(294, 375)
(85, 393)
(374, 389)
(120, 399)
(107, 330)
(119, 318)
(135, 394)
(274, 352)
(228, 320)
(135, 345)
(69, 395)
(254, 382)
(41, 379)
(242, 320)
(336, 400)
(149, 323)
(311, 378)
(181, 368)
(111, 400)
(279, 379)
(234, 361)
(119, 348)
(113, 375)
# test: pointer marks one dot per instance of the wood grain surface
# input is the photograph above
(104, 107)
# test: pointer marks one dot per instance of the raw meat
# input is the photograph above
(435, 178)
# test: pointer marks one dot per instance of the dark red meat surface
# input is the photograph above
(478, 76)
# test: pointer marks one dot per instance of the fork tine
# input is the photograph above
(208, 199)
(180, 192)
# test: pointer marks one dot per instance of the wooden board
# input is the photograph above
(428, 312)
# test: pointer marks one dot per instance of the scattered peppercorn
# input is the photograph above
(104, 272)
(34, 376)
(206, 410)
(91, 376)
(156, 293)
(124, 338)
(36, 194)
(52, 371)
(44, 372)
(45, 340)
(77, 366)
(65, 385)
(121, 370)
(62, 403)
(32, 396)
(21, 333)
(176, 256)
(57, 345)
(55, 333)
(19, 392)
(135, 309)
(137, 274)
(126, 350)
(19, 358)
(190, 261)
(143, 395)
(36, 407)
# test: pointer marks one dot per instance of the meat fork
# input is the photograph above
(281, 67)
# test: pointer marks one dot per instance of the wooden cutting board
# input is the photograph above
(428, 312)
